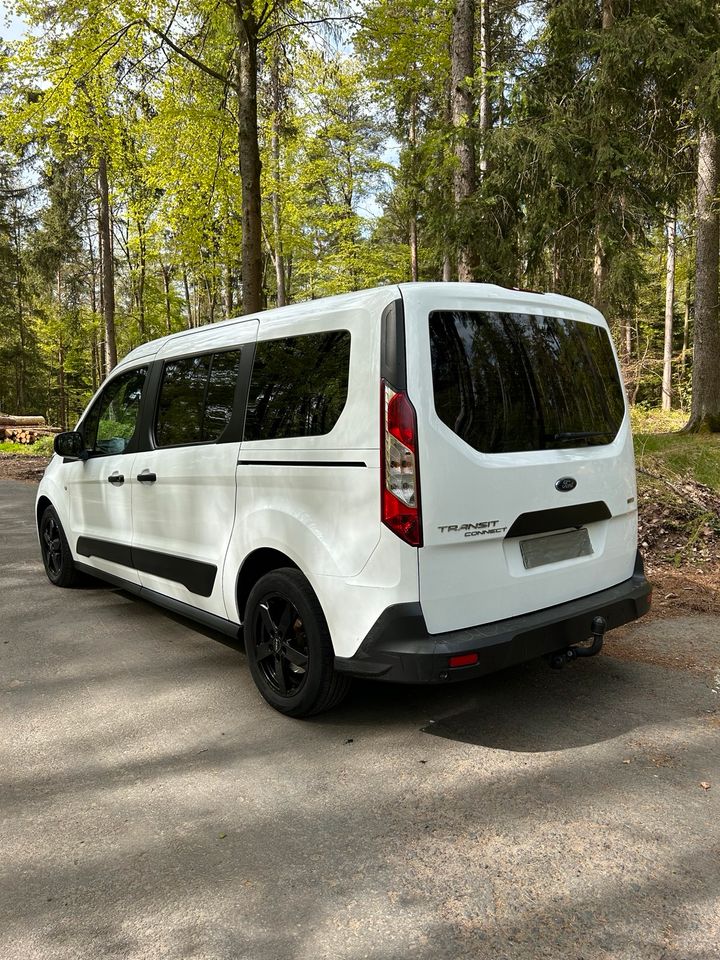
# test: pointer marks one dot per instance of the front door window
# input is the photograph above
(112, 422)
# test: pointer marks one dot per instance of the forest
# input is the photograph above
(170, 163)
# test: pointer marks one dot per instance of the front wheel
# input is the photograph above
(288, 646)
(55, 549)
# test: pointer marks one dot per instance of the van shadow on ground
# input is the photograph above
(529, 708)
(532, 708)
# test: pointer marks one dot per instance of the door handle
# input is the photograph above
(146, 477)
(117, 479)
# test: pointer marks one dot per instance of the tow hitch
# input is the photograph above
(598, 628)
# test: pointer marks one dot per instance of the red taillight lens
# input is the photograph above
(400, 480)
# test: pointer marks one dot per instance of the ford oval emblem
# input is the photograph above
(565, 484)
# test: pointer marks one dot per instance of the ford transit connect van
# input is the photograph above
(419, 483)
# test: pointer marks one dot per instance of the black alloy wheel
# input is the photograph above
(287, 641)
(280, 648)
(52, 547)
(55, 550)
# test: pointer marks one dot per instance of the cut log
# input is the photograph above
(9, 421)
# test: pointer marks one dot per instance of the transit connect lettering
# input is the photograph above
(481, 529)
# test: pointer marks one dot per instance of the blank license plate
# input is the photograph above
(552, 549)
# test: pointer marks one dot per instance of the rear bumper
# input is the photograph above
(399, 647)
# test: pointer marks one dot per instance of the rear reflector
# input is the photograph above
(463, 660)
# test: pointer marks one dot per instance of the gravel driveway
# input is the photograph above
(152, 806)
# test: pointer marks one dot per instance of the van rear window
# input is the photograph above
(508, 382)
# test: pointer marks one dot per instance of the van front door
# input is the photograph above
(184, 487)
(99, 488)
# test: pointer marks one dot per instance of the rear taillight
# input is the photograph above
(400, 491)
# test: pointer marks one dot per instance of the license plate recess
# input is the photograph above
(558, 546)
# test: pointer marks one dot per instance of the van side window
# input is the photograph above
(196, 398)
(220, 393)
(298, 386)
(110, 425)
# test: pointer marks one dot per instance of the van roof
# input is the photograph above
(425, 291)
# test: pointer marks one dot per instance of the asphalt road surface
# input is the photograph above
(152, 806)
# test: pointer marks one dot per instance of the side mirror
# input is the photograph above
(70, 445)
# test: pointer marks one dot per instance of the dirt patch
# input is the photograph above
(28, 469)
(679, 521)
(686, 588)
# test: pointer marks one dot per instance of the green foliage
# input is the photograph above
(588, 147)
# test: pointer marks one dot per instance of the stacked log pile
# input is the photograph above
(24, 429)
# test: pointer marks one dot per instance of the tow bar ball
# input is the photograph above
(598, 628)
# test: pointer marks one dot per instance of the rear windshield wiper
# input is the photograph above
(581, 434)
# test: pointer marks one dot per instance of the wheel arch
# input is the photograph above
(254, 566)
(41, 506)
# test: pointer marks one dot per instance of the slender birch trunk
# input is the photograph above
(669, 310)
(462, 106)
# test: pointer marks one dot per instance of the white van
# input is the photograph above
(419, 483)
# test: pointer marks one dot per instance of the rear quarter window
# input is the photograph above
(298, 386)
(507, 382)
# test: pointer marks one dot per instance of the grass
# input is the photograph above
(41, 448)
(660, 448)
(681, 455)
(654, 420)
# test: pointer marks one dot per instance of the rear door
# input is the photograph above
(526, 461)
(183, 499)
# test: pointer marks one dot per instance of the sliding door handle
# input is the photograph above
(116, 478)
(146, 477)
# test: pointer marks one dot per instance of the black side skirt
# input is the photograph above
(227, 627)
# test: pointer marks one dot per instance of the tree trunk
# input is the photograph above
(686, 328)
(188, 303)
(447, 268)
(142, 259)
(462, 69)
(20, 309)
(485, 67)
(669, 310)
(229, 292)
(108, 279)
(599, 273)
(600, 257)
(705, 409)
(608, 16)
(249, 156)
(166, 270)
(279, 257)
(412, 226)
(62, 406)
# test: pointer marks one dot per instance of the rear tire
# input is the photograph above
(288, 646)
(55, 550)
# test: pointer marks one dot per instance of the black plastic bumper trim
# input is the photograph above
(399, 647)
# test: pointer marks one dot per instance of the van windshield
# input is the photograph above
(508, 382)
